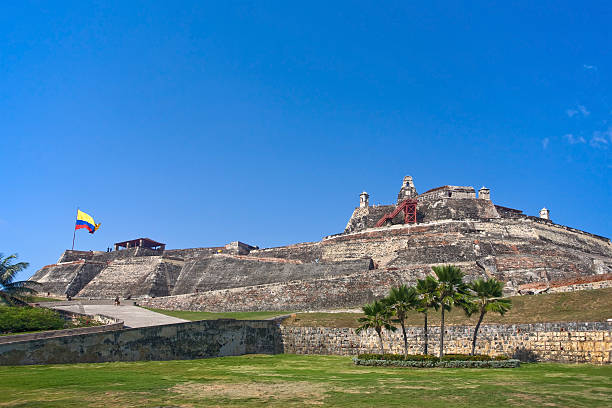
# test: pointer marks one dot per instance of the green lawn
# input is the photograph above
(291, 380)
(181, 314)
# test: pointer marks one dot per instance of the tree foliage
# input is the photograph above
(378, 317)
(486, 297)
(14, 292)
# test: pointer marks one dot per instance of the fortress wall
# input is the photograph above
(163, 279)
(192, 252)
(455, 209)
(83, 276)
(315, 294)
(72, 255)
(588, 342)
(181, 341)
(67, 277)
(427, 211)
(306, 252)
(367, 217)
(515, 250)
(223, 272)
(124, 277)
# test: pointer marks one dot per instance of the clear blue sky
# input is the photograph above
(199, 123)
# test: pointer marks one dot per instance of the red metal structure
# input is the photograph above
(408, 206)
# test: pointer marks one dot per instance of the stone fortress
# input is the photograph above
(379, 248)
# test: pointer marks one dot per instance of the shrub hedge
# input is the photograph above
(430, 363)
(398, 357)
(26, 319)
(421, 357)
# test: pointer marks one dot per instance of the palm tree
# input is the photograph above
(451, 291)
(377, 316)
(427, 290)
(400, 301)
(487, 298)
(13, 292)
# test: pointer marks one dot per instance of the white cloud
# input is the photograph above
(571, 139)
(601, 139)
(579, 109)
(589, 67)
(545, 142)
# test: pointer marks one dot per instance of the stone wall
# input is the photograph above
(514, 250)
(224, 272)
(306, 252)
(335, 292)
(60, 333)
(202, 339)
(561, 342)
(569, 285)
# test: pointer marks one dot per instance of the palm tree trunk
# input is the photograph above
(382, 349)
(482, 313)
(442, 334)
(405, 338)
(425, 335)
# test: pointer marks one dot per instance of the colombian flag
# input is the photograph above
(86, 221)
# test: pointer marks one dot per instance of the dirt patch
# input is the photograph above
(285, 390)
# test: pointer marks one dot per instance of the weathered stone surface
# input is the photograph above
(561, 342)
(182, 341)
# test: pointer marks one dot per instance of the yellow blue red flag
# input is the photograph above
(86, 221)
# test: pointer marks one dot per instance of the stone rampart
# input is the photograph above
(182, 341)
(352, 290)
(561, 342)
(569, 285)
(306, 252)
(224, 272)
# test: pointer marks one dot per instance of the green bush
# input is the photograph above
(444, 364)
(397, 357)
(466, 357)
(26, 319)
(421, 357)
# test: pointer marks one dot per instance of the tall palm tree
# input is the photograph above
(13, 292)
(451, 291)
(487, 295)
(377, 317)
(400, 301)
(427, 290)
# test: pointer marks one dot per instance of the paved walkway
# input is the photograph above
(132, 316)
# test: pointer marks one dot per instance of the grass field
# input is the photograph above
(212, 316)
(586, 305)
(291, 380)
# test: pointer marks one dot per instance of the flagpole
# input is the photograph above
(74, 231)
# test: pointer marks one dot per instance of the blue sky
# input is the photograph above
(199, 123)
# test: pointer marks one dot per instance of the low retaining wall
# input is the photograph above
(60, 333)
(560, 342)
(181, 341)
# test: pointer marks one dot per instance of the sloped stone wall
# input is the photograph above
(182, 341)
(585, 342)
(316, 294)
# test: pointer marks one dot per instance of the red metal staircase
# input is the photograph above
(408, 206)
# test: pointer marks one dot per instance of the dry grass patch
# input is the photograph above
(305, 391)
